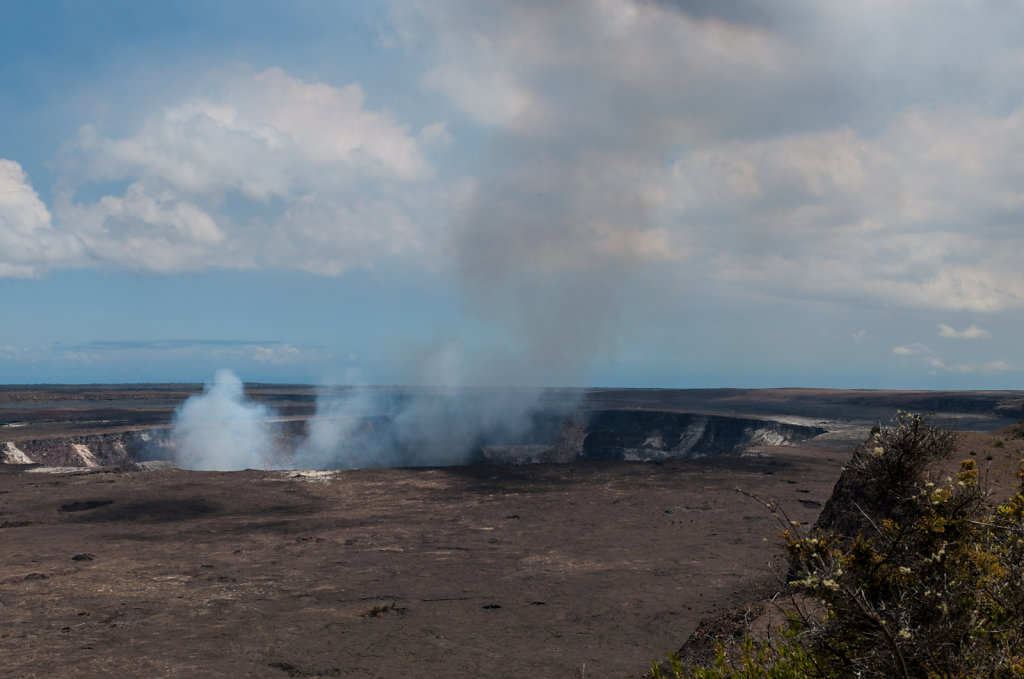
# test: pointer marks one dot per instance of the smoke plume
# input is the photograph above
(374, 427)
(221, 430)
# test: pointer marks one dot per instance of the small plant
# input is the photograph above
(379, 611)
(784, 658)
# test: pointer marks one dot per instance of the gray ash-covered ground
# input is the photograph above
(482, 571)
(449, 572)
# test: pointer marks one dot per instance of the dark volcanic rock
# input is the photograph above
(651, 435)
(642, 435)
(524, 571)
(551, 437)
(82, 506)
(95, 450)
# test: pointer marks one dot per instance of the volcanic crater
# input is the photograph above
(588, 562)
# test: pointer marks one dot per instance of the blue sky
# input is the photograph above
(672, 193)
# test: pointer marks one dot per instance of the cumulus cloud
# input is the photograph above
(266, 135)
(145, 230)
(970, 332)
(268, 171)
(29, 243)
(325, 235)
(797, 151)
(537, 69)
(701, 70)
(766, 150)
(891, 217)
(805, 150)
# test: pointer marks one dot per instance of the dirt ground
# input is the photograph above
(589, 570)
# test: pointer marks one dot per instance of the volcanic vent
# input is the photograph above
(642, 435)
(376, 441)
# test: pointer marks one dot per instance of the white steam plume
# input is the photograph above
(220, 430)
(368, 427)
(332, 440)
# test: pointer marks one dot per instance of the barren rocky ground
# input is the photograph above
(452, 572)
(568, 570)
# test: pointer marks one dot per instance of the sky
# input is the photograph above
(639, 193)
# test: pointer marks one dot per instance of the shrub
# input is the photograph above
(929, 586)
(926, 596)
(785, 658)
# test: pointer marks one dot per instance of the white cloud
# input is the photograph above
(282, 354)
(143, 231)
(487, 96)
(266, 135)
(29, 243)
(805, 165)
(169, 352)
(271, 171)
(435, 134)
(937, 364)
(798, 150)
(892, 218)
(989, 368)
(325, 236)
(971, 332)
(997, 366)
(914, 349)
(545, 68)
(859, 335)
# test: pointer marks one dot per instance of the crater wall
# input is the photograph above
(578, 437)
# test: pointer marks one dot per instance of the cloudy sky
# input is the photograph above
(678, 193)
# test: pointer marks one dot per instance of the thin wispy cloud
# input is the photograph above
(989, 368)
(228, 351)
(938, 365)
(970, 332)
(915, 349)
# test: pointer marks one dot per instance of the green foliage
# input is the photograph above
(893, 460)
(933, 589)
(937, 595)
(785, 658)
